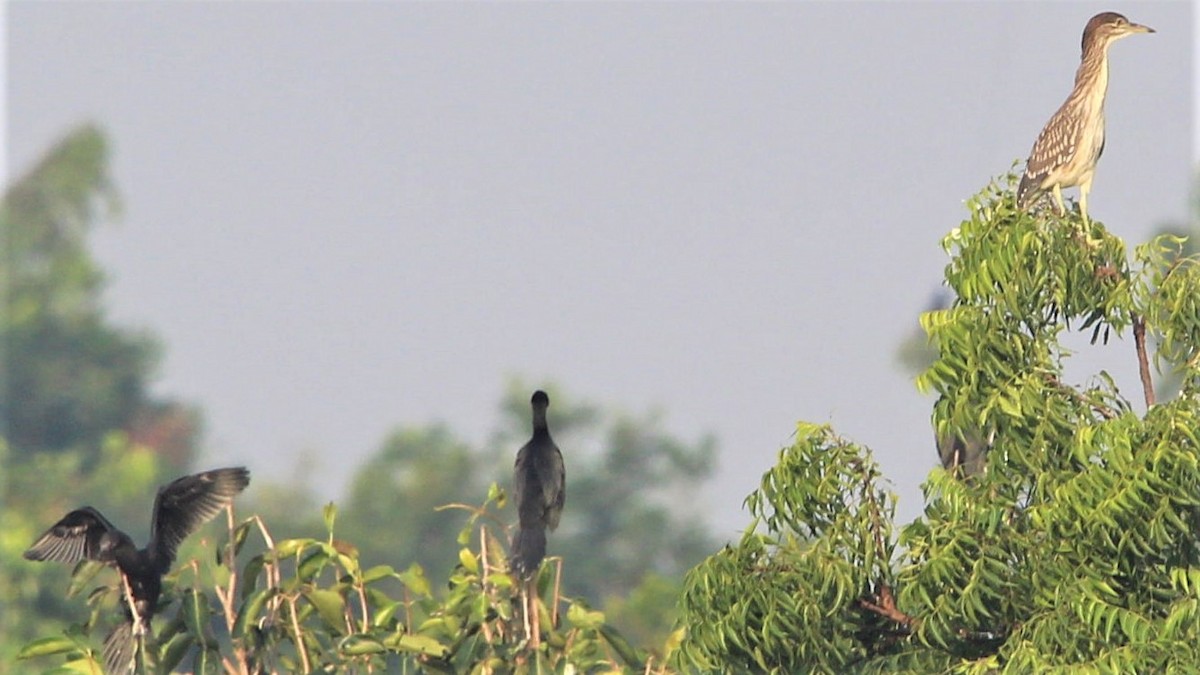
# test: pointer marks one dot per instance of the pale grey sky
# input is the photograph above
(343, 217)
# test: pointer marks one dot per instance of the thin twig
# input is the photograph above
(483, 577)
(362, 601)
(226, 596)
(1104, 411)
(299, 636)
(557, 588)
(271, 570)
(1139, 339)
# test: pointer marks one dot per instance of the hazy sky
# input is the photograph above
(343, 217)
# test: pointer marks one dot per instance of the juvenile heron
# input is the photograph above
(539, 487)
(963, 453)
(180, 508)
(1066, 152)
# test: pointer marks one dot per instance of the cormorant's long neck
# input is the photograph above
(540, 430)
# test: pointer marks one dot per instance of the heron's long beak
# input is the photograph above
(1139, 28)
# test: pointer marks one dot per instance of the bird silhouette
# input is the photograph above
(180, 507)
(539, 484)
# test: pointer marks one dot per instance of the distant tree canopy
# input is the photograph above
(70, 377)
(1076, 548)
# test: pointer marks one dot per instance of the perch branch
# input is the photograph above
(1139, 338)
(886, 607)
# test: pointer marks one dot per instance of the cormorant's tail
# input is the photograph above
(120, 649)
(528, 549)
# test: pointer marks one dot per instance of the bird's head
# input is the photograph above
(1108, 27)
(540, 400)
(111, 544)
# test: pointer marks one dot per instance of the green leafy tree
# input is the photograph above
(305, 605)
(1075, 549)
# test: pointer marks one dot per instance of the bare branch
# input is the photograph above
(886, 607)
(1139, 338)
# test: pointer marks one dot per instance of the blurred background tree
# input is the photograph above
(70, 377)
(78, 422)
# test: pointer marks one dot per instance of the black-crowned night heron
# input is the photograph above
(1068, 148)
(539, 486)
(179, 508)
(963, 453)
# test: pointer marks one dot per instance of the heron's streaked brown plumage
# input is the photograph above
(1069, 146)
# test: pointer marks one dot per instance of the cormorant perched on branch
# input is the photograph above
(180, 508)
(539, 486)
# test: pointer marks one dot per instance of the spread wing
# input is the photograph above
(76, 537)
(186, 503)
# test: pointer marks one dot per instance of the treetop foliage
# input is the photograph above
(307, 605)
(1076, 547)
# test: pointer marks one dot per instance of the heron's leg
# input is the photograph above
(1083, 192)
(1062, 210)
(1084, 188)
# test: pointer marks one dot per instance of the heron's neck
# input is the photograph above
(539, 423)
(1092, 77)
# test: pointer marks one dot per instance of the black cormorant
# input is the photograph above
(539, 486)
(179, 508)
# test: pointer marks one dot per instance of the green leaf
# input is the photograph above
(250, 611)
(311, 566)
(196, 613)
(83, 574)
(172, 653)
(81, 666)
(419, 644)
(626, 651)
(358, 645)
(47, 647)
(330, 606)
(414, 579)
(468, 560)
(581, 617)
(378, 572)
(330, 515)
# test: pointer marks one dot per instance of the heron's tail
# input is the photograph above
(1027, 190)
(528, 549)
(119, 649)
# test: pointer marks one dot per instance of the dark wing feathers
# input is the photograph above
(76, 537)
(120, 649)
(187, 503)
(554, 486)
(539, 480)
